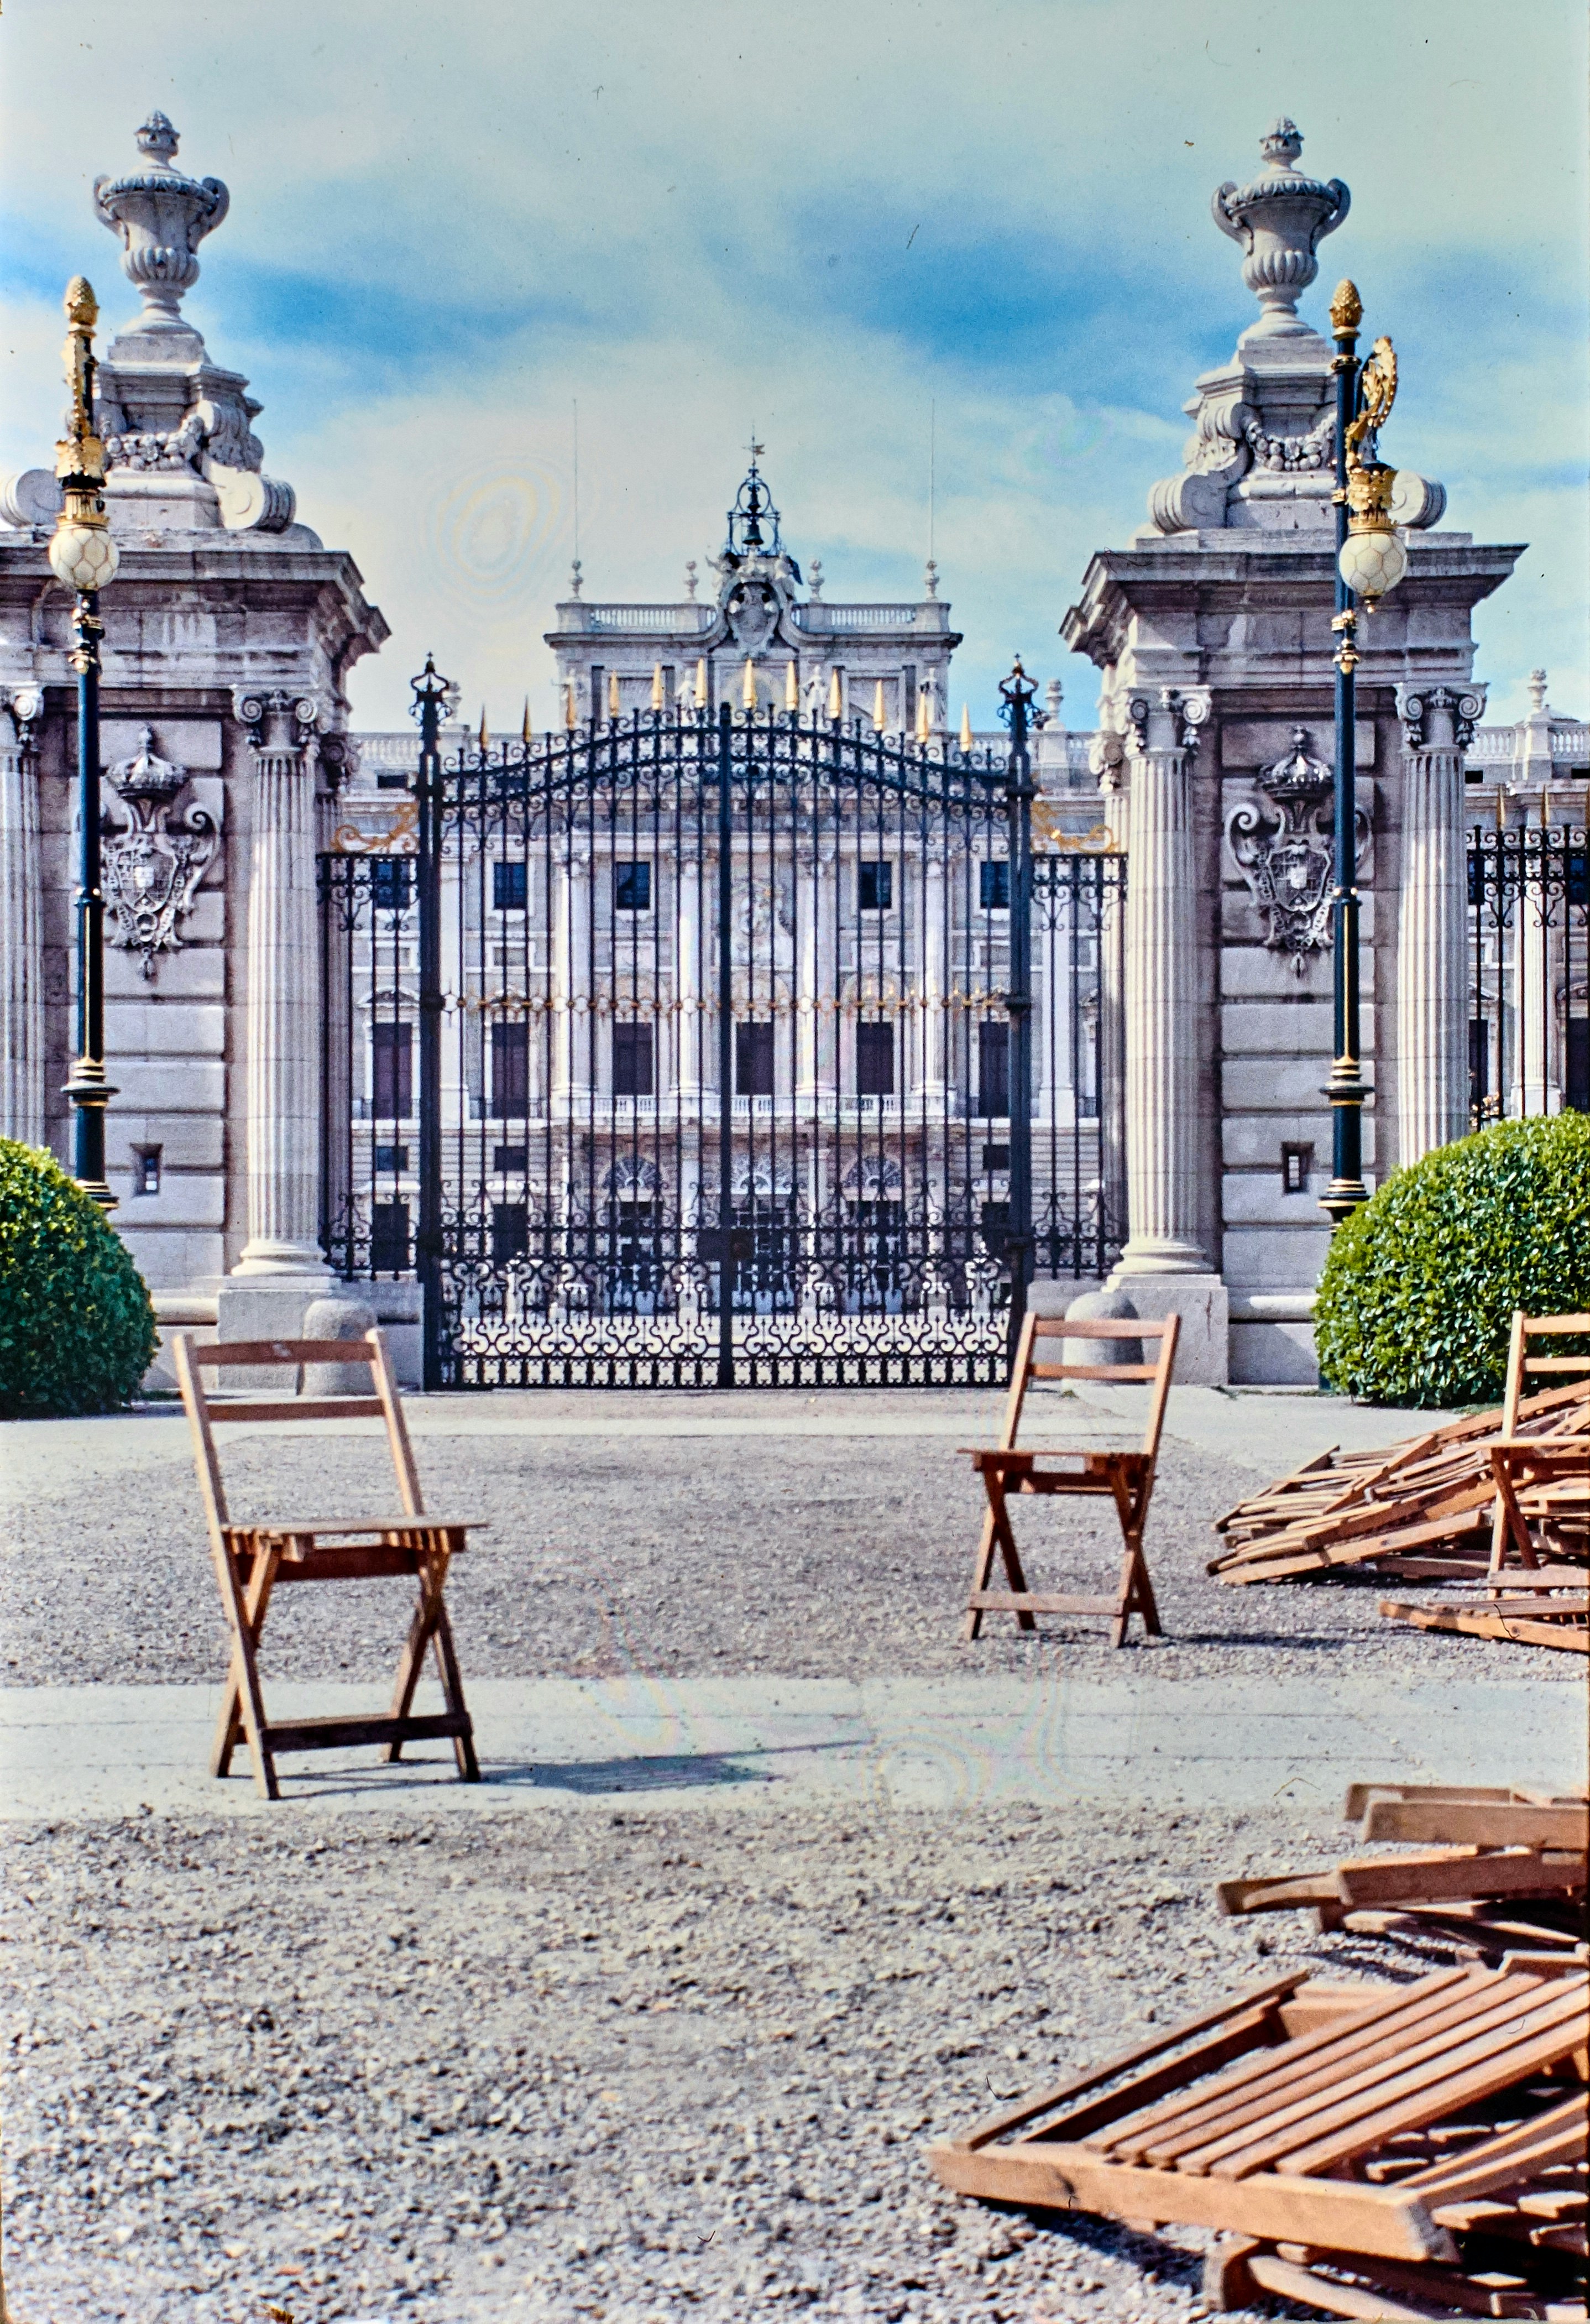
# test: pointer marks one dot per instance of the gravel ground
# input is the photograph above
(650, 2066)
(808, 1557)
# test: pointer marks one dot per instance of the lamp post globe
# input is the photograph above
(83, 557)
(1371, 563)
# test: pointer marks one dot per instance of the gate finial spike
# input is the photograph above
(792, 700)
(835, 701)
(878, 712)
(525, 729)
(748, 692)
(921, 724)
(485, 732)
(613, 694)
(965, 726)
(656, 686)
(701, 686)
(570, 719)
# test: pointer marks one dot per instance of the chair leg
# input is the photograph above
(1024, 1620)
(1137, 1594)
(242, 1706)
(982, 1566)
(412, 1659)
(453, 1694)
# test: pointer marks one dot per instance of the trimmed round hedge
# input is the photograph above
(76, 1328)
(1418, 1295)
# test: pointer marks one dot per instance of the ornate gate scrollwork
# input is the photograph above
(726, 1089)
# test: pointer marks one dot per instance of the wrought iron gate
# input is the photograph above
(695, 1052)
(1529, 1015)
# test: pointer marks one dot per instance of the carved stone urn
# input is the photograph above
(161, 217)
(1280, 219)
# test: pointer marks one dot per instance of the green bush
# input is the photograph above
(1419, 1292)
(76, 1330)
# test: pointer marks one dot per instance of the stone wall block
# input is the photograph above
(145, 1028)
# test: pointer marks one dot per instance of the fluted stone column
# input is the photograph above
(1432, 954)
(21, 929)
(935, 977)
(1161, 1054)
(283, 1025)
(571, 971)
(688, 982)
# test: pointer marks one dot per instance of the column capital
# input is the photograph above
(276, 718)
(1167, 718)
(1439, 717)
(22, 704)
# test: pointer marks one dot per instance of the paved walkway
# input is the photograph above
(916, 1742)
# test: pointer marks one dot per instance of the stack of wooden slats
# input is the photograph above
(1506, 1874)
(1425, 1510)
(1413, 2151)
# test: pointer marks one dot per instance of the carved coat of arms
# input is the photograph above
(152, 871)
(1286, 859)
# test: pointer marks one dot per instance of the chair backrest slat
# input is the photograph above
(192, 1359)
(1520, 1361)
(216, 1355)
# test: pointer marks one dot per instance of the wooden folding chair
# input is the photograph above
(251, 1560)
(1126, 1476)
(1539, 1464)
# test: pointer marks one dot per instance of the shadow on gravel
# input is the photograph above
(687, 1771)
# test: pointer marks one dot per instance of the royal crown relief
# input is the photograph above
(1286, 855)
(152, 867)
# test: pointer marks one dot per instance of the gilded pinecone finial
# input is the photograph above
(1346, 309)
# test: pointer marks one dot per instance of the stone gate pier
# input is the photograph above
(1211, 632)
(230, 632)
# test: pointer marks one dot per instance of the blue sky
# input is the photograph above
(449, 225)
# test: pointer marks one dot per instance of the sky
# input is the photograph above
(892, 236)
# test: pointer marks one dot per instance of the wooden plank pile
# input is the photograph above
(1424, 1510)
(1493, 1873)
(1413, 2151)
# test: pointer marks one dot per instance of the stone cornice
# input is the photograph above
(1120, 583)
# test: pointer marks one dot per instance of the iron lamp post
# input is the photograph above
(1016, 694)
(83, 559)
(1369, 560)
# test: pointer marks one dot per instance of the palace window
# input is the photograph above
(511, 1158)
(511, 1071)
(146, 1169)
(877, 889)
(631, 887)
(992, 1070)
(391, 883)
(753, 1059)
(510, 887)
(994, 885)
(511, 1232)
(392, 1157)
(393, 1058)
(389, 1238)
(631, 1061)
(875, 1060)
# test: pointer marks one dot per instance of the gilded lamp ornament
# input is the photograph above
(82, 554)
(1372, 558)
